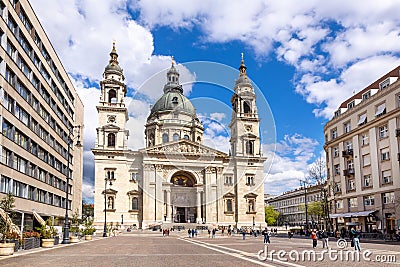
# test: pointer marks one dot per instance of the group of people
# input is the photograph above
(192, 232)
(323, 236)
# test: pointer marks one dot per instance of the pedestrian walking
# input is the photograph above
(314, 238)
(189, 232)
(266, 236)
(213, 233)
(325, 239)
(209, 233)
(244, 234)
(356, 239)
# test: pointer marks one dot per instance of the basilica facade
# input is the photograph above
(175, 178)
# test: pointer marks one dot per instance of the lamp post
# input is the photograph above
(305, 201)
(105, 206)
(78, 144)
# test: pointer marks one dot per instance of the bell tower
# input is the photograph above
(245, 135)
(112, 112)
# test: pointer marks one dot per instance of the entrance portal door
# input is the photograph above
(180, 212)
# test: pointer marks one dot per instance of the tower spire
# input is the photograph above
(113, 55)
(242, 67)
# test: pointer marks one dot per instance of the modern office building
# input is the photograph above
(291, 206)
(362, 152)
(175, 178)
(38, 112)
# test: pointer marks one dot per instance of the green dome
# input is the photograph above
(173, 101)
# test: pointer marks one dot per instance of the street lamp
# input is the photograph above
(305, 201)
(78, 144)
(105, 205)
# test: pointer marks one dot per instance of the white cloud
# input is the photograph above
(87, 190)
(290, 162)
(320, 39)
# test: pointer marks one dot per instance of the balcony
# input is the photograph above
(348, 172)
(347, 153)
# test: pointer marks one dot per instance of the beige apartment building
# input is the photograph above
(39, 111)
(291, 206)
(362, 154)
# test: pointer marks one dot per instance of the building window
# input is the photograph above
(175, 137)
(388, 198)
(386, 176)
(228, 180)
(364, 139)
(383, 131)
(349, 145)
(186, 137)
(366, 95)
(111, 139)
(362, 119)
(112, 96)
(385, 154)
(165, 138)
(352, 202)
(134, 177)
(250, 147)
(334, 133)
(110, 175)
(366, 159)
(135, 203)
(347, 127)
(229, 206)
(367, 180)
(246, 107)
(337, 113)
(336, 169)
(249, 180)
(369, 201)
(380, 110)
(337, 188)
(351, 105)
(339, 204)
(384, 84)
(351, 185)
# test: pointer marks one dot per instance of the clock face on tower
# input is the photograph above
(111, 119)
(248, 128)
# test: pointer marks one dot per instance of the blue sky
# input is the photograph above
(306, 58)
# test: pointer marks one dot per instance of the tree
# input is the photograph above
(315, 209)
(271, 215)
(317, 175)
(6, 222)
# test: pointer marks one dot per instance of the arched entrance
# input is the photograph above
(183, 197)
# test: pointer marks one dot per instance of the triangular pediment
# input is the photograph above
(111, 127)
(110, 191)
(250, 195)
(184, 147)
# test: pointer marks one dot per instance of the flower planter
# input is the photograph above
(6, 249)
(48, 243)
(73, 239)
(30, 243)
(15, 242)
(88, 237)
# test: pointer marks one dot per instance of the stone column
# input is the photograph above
(168, 205)
(198, 219)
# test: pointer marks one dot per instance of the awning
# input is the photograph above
(352, 214)
(363, 119)
(38, 217)
(380, 109)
